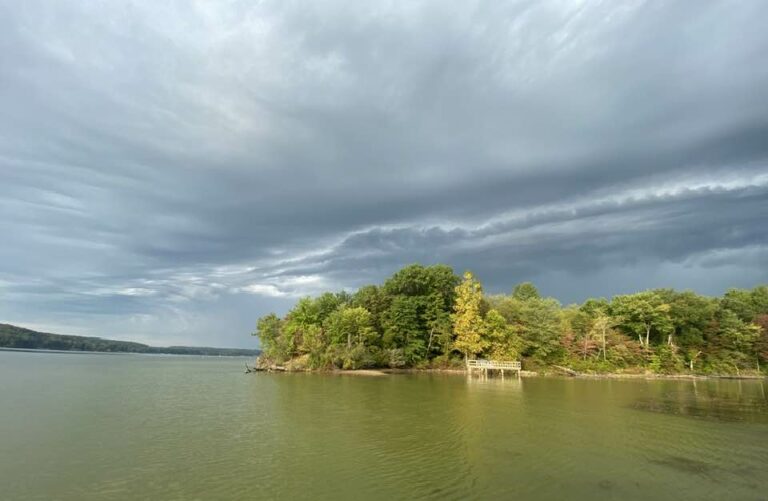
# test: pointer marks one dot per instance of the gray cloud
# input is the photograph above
(170, 173)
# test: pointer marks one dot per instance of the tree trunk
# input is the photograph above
(647, 336)
(693, 359)
(603, 344)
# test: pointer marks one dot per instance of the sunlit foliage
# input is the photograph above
(427, 316)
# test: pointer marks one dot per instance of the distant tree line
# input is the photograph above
(427, 316)
(12, 336)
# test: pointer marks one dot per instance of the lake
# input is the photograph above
(119, 427)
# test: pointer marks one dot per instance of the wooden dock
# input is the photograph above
(494, 365)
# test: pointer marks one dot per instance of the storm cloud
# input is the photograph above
(171, 171)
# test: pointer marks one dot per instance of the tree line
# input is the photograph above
(20, 338)
(428, 317)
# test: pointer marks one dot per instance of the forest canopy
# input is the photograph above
(429, 317)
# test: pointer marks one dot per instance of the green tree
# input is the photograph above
(373, 299)
(404, 328)
(542, 327)
(502, 341)
(736, 334)
(303, 316)
(746, 304)
(537, 320)
(643, 314)
(418, 280)
(269, 331)
(439, 325)
(327, 303)
(691, 316)
(525, 291)
(350, 326)
(417, 319)
(761, 345)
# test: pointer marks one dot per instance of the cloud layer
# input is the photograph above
(170, 173)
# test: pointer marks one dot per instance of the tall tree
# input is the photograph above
(350, 326)
(525, 291)
(373, 299)
(467, 322)
(601, 325)
(502, 341)
(439, 324)
(269, 329)
(643, 313)
(404, 328)
(761, 345)
(746, 304)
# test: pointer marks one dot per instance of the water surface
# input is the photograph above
(119, 427)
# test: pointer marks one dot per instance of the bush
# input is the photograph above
(666, 360)
(446, 361)
(358, 357)
(396, 358)
(626, 355)
(592, 365)
(334, 356)
(301, 363)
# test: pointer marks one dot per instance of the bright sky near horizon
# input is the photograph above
(170, 171)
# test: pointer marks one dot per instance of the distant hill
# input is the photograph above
(12, 336)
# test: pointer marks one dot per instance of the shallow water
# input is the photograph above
(115, 427)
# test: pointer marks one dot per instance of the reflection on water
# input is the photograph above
(718, 400)
(686, 465)
(92, 427)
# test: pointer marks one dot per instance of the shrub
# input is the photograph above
(358, 357)
(666, 360)
(396, 358)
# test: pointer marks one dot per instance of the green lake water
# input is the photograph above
(119, 427)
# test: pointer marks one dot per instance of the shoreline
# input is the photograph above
(531, 374)
(88, 352)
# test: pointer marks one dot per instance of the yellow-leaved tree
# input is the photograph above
(467, 321)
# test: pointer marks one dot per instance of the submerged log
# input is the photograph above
(263, 365)
(248, 369)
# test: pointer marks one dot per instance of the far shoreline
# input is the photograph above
(89, 352)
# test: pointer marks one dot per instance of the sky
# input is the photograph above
(171, 171)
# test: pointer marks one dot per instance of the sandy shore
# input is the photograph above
(361, 372)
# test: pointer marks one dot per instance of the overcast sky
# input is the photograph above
(169, 173)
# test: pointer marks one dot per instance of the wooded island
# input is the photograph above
(428, 317)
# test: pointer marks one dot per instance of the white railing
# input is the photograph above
(494, 364)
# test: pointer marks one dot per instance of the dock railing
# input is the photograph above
(500, 365)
